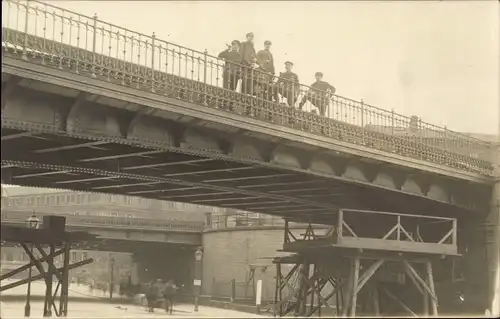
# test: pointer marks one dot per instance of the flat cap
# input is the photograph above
(250, 34)
(235, 42)
(288, 62)
(319, 74)
(267, 42)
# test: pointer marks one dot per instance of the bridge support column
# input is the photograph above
(492, 232)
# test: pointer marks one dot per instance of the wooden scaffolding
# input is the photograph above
(363, 257)
(53, 237)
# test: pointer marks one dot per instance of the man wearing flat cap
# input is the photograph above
(319, 94)
(288, 85)
(265, 58)
(232, 70)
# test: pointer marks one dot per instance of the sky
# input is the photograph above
(437, 60)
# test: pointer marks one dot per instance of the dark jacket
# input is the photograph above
(289, 80)
(233, 59)
(320, 87)
(247, 52)
(266, 61)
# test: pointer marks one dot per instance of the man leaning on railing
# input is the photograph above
(319, 95)
(288, 85)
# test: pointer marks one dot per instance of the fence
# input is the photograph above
(22, 216)
(70, 41)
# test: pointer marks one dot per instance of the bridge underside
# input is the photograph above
(58, 161)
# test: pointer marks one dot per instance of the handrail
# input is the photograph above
(87, 45)
(21, 216)
(246, 219)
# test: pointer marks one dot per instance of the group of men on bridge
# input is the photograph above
(256, 72)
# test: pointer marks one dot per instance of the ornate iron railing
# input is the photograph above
(70, 41)
(110, 221)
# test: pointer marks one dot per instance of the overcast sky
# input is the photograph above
(438, 60)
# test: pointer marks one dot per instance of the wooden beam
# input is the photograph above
(27, 266)
(355, 284)
(368, 274)
(432, 292)
(405, 307)
(40, 276)
(420, 280)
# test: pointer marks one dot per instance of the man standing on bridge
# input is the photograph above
(232, 70)
(288, 85)
(319, 95)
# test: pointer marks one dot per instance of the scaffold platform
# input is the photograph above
(368, 259)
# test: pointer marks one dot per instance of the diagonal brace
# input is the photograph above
(420, 280)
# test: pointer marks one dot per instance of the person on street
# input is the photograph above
(169, 291)
(288, 85)
(319, 95)
(232, 71)
(265, 58)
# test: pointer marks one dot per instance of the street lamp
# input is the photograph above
(198, 256)
(32, 222)
(111, 279)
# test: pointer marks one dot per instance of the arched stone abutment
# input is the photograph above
(284, 155)
(327, 164)
(153, 130)
(36, 110)
(90, 118)
(359, 171)
(438, 192)
(195, 139)
(247, 148)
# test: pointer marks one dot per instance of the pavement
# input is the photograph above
(83, 304)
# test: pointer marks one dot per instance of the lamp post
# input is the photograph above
(198, 257)
(111, 279)
(32, 222)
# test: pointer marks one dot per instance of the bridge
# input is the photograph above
(123, 234)
(90, 106)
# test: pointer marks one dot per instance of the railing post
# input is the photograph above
(153, 37)
(94, 43)
(205, 70)
(25, 45)
(454, 238)
(399, 229)
(362, 121)
(340, 226)
(393, 128)
(445, 138)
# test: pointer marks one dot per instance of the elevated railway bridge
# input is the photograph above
(90, 106)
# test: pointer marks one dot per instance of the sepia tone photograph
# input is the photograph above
(250, 159)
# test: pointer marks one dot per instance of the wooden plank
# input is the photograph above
(400, 246)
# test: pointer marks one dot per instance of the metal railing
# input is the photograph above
(21, 217)
(238, 220)
(70, 41)
(248, 219)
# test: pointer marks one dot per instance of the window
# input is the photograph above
(24, 256)
(114, 214)
(9, 256)
(85, 255)
(73, 256)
